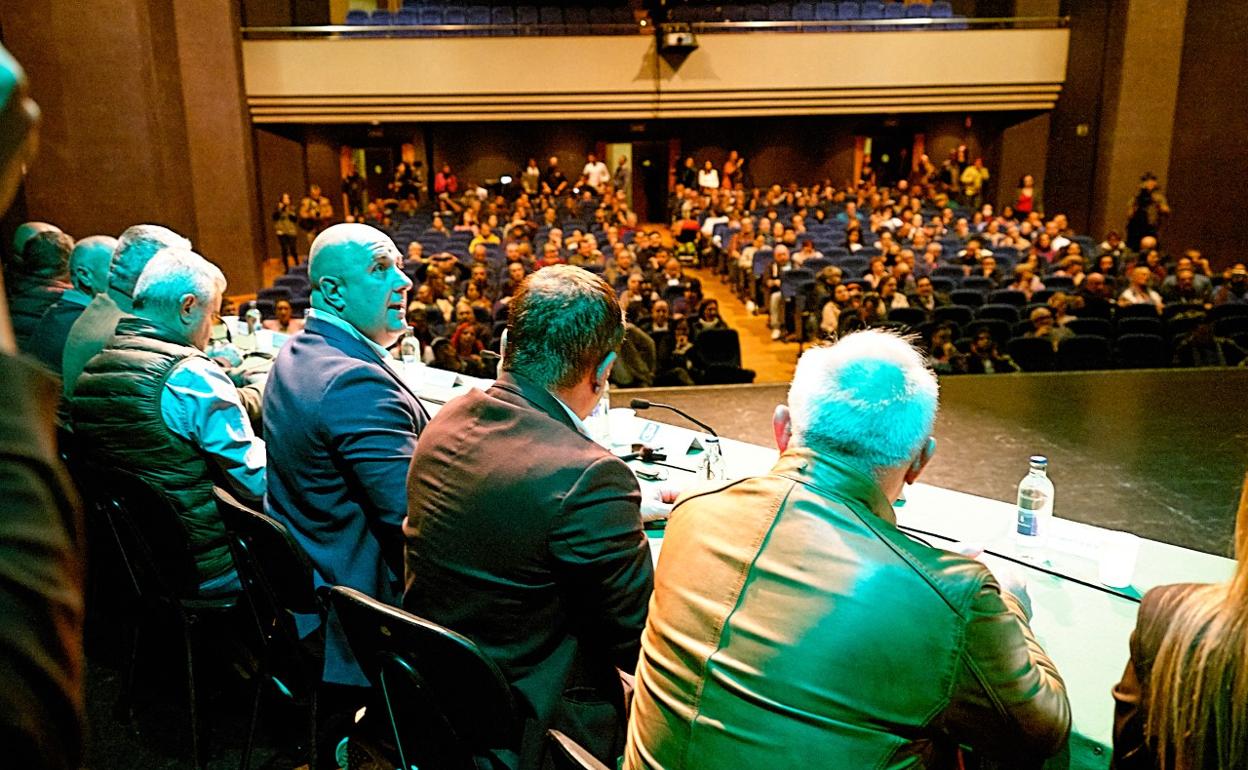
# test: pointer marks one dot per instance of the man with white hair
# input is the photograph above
(792, 619)
(341, 426)
(88, 274)
(93, 329)
(153, 404)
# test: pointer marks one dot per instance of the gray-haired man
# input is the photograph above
(151, 402)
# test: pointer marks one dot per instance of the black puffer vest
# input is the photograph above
(116, 412)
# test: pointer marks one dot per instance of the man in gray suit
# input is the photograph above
(525, 535)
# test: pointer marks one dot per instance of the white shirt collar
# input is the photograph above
(576, 421)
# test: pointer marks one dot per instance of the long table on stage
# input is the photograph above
(1084, 626)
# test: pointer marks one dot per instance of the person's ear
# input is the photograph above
(604, 371)
(186, 308)
(921, 461)
(782, 426)
(331, 291)
(83, 276)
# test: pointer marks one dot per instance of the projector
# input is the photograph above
(677, 38)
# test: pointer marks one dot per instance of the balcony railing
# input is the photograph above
(646, 27)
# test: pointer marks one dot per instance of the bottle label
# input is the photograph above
(1029, 502)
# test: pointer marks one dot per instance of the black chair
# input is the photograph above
(278, 582)
(155, 546)
(1008, 297)
(1007, 313)
(955, 314)
(1001, 330)
(720, 353)
(967, 297)
(1032, 354)
(980, 283)
(570, 755)
(1095, 326)
(1231, 326)
(1141, 351)
(1136, 311)
(447, 703)
(912, 317)
(1179, 326)
(1139, 326)
(1083, 353)
(1218, 312)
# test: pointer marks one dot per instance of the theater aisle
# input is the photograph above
(771, 361)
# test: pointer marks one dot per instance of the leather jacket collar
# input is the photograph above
(835, 479)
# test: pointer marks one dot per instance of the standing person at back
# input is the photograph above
(523, 534)
(1182, 703)
(794, 625)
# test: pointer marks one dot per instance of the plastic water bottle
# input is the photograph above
(1035, 504)
(409, 349)
(713, 460)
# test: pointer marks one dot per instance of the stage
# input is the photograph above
(1161, 453)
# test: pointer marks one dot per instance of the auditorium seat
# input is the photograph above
(943, 284)
(918, 11)
(1001, 330)
(1008, 297)
(1139, 326)
(576, 19)
(953, 272)
(804, 12)
(978, 282)
(1140, 351)
(454, 15)
(551, 18)
(912, 317)
(1083, 353)
(779, 11)
(1007, 313)
(1180, 326)
(958, 314)
(1099, 327)
(1231, 326)
(1218, 312)
(1032, 354)
(527, 19)
(1059, 283)
(967, 297)
(504, 19)
(1136, 311)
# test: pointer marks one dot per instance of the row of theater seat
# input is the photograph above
(849, 10)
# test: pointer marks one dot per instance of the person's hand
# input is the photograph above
(1009, 577)
(656, 502)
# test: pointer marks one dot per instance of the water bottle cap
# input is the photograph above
(1039, 461)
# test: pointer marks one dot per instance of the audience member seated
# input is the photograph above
(88, 274)
(36, 280)
(1203, 347)
(708, 317)
(341, 425)
(1095, 297)
(925, 297)
(152, 403)
(1235, 289)
(537, 556)
(780, 264)
(638, 360)
(1139, 291)
(985, 357)
(94, 328)
(792, 618)
(659, 321)
(468, 348)
(284, 320)
(1025, 280)
(1180, 701)
(1045, 327)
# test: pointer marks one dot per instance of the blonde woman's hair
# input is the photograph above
(1198, 710)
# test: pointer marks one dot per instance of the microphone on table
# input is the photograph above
(641, 403)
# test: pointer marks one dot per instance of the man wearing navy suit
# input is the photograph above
(343, 426)
(525, 535)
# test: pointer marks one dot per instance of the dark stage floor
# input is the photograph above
(1161, 453)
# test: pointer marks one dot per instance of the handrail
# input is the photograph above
(645, 26)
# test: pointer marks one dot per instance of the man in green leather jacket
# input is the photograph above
(794, 625)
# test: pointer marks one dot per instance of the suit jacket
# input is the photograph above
(791, 618)
(340, 426)
(525, 536)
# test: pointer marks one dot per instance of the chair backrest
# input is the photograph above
(1218, 312)
(447, 701)
(967, 297)
(910, 316)
(1136, 351)
(958, 314)
(1095, 326)
(570, 755)
(977, 282)
(1001, 331)
(1137, 311)
(1008, 297)
(1139, 326)
(268, 557)
(719, 346)
(1032, 354)
(944, 284)
(1083, 352)
(152, 535)
(848, 9)
(1007, 313)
